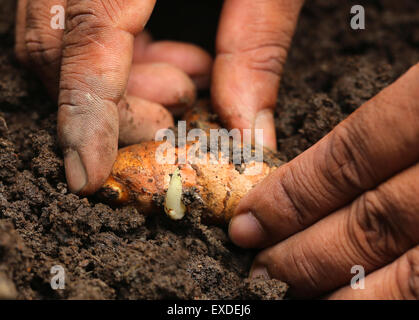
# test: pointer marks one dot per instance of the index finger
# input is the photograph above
(252, 44)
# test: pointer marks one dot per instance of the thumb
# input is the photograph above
(97, 54)
(252, 44)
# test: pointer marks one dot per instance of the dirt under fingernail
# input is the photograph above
(119, 253)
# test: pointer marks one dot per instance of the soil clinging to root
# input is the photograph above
(118, 253)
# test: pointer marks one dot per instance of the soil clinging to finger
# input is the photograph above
(118, 253)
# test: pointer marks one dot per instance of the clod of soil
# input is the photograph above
(117, 253)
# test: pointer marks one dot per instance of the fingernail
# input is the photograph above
(75, 171)
(246, 231)
(265, 121)
(259, 272)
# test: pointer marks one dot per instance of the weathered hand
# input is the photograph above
(351, 199)
(97, 69)
(88, 67)
(252, 44)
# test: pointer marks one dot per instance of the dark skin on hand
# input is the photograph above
(351, 199)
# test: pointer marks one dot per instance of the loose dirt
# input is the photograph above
(117, 253)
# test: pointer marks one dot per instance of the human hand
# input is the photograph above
(110, 79)
(252, 44)
(351, 199)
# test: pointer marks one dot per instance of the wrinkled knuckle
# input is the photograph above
(375, 226)
(81, 16)
(102, 13)
(285, 192)
(267, 58)
(413, 265)
(267, 47)
(42, 48)
(305, 268)
(73, 79)
(76, 104)
(112, 10)
(344, 166)
(83, 24)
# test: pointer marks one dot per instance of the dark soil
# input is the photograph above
(120, 254)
